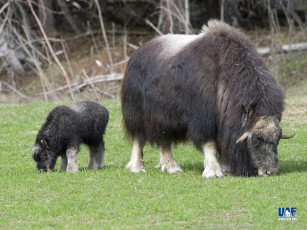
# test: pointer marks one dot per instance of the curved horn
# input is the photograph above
(243, 137)
(261, 123)
(287, 136)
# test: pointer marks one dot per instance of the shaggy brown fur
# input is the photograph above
(212, 89)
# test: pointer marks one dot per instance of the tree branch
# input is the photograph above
(51, 49)
(263, 51)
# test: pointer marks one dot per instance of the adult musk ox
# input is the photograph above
(66, 127)
(211, 88)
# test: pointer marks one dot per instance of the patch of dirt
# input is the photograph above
(296, 111)
(300, 88)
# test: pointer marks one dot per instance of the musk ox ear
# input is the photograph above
(287, 136)
(260, 124)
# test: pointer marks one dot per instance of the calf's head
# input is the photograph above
(262, 141)
(44, 157)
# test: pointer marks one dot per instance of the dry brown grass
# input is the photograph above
(296, 111)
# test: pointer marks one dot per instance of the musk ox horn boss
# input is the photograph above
(210, 88)
(66, 127)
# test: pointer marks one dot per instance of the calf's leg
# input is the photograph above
(63, 165)
(136, 163)
(211, 163)
(96, 157)
(167, 161)
(71, 154)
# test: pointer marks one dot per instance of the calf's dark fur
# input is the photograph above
(65, 128)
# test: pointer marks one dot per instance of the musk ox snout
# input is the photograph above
(266, 165)
(262, 146)
(44, 160)
(42, 170)
(263, 171)
(262, 142)
(269, 165)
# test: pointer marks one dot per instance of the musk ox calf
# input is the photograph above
(66, 127)
(210, 88)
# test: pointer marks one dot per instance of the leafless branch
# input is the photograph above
(284, 48)
(104, 33)
(152, 26)
(16, 91)
(51, 49)
(90, 83)
(92, 80)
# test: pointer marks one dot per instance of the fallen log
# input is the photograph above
(264, 51)
(89, 81)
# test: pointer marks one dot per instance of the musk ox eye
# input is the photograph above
(257, 139)
(271, 142)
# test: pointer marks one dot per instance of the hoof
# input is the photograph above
(209, 173)
(136, 168)
(93, 167)
(173, 168)
(72, 169)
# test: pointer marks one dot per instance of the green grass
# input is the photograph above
(116, 198)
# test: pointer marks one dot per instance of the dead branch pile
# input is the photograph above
(32, 40)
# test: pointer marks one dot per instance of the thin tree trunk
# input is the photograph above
(51, 49)
(176, 17)
(187, 16)
(77, 28)
(46, 16)
(222, 10)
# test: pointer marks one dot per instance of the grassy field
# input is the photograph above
(114, 198)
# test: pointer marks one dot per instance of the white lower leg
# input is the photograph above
(71, 154)
(211, 164)
(167, 161)
(136, 163)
